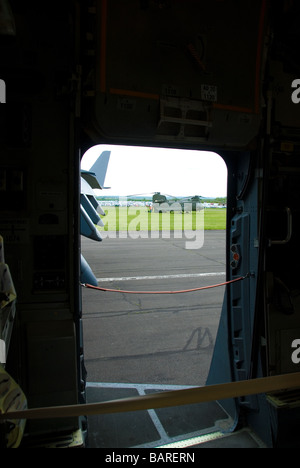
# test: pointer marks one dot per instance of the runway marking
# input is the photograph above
(150, 278)
(165, 441)
(140, 387)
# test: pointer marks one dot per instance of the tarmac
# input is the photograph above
(138, 344)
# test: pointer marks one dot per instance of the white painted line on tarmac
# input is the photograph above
(140, 387)
(150, 278)
(164, 438)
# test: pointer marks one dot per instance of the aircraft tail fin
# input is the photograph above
(100, 167)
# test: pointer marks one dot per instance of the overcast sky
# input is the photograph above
(139, 170)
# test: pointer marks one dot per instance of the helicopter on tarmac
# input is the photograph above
(167, 203)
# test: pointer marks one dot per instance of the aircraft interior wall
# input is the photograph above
(39, 169)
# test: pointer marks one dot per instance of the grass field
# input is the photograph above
(139, 219)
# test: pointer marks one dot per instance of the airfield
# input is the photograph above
(139, 344)
(134, 344)
(140, 221)
(157, 339)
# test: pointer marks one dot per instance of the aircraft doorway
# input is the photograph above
(135, 342)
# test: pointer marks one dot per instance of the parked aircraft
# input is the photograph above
(90, 210)
(164, 203)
